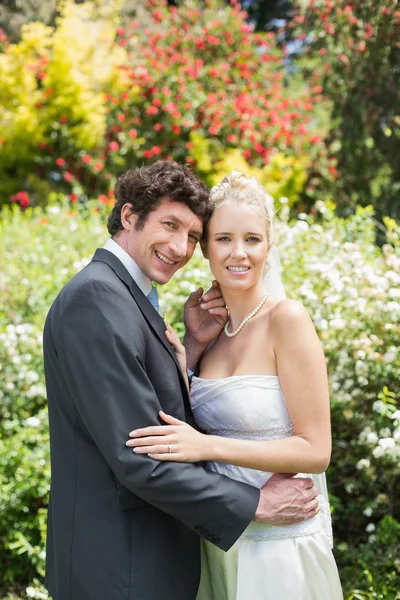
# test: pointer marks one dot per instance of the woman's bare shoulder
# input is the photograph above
(290, 318)
(289, 310)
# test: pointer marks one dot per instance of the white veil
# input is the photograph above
(272, 280)
(273, 285)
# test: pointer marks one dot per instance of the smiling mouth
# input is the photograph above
(238, 269)
(165, 259)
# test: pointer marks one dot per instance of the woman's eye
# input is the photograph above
(223, 239)
(253, 239)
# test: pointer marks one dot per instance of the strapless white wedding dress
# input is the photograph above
(293, 562)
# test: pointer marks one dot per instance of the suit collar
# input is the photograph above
(131, 266)
(149, 313)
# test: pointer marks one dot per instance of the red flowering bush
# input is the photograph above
(195, 69)
(353, 48)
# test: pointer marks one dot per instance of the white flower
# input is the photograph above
(32, 592)
(379, 407)
(301, 226)
(390, 355)
(392, 276)
(378, 452)
(337, 323)
(393, 306)
(361, 367)
(368, 436)
(387, 443)
(361, 304)
(334, 299)
(54, 210)
(385, 432)
(372, 538)
(32, 422)
(368, 511)
(32, 376)
(370, 528)
(348, 383)
(364, 463)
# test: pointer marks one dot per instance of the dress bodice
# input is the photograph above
(242, 406)
(251, 407)
(248, 406)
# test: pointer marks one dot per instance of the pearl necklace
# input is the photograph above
(243, 323)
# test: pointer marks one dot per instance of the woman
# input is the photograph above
(262, 397)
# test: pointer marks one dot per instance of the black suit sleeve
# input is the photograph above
(102, 353)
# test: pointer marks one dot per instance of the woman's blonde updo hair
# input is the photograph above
(235, 187)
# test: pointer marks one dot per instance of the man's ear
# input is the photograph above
(203, 246)
(128, 218)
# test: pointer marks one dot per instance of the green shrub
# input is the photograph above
(84, 101)
(351, 289)
(353, 50)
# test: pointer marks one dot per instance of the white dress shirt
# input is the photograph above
(130, 265)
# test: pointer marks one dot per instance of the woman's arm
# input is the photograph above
(302, 373)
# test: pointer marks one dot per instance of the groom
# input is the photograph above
(121, 525)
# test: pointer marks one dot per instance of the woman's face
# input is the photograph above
(237, 245)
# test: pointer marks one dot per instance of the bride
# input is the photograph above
(262, 400)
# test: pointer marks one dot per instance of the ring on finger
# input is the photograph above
(169, 448)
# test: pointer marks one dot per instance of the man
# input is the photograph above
(123, 526)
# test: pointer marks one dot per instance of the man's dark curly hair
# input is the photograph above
(146, 187)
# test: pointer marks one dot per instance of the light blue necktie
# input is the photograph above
(153, 298)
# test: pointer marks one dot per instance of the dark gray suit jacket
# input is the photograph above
(123, 526)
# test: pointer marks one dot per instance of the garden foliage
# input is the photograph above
(351, 289)
(86, 100)
(353, 49)
(100, 92)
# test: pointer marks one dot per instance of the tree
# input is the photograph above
(264, 13)
(191, 82)
(354, 48)
(14, 14)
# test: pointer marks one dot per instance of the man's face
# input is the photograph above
(166, 242)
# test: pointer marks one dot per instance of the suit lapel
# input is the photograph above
(151, 315)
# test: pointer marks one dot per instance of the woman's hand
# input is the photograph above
(177, 345)
(176, 441)
(179, 350)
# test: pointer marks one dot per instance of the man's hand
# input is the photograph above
(204, 317)
(285, 500)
